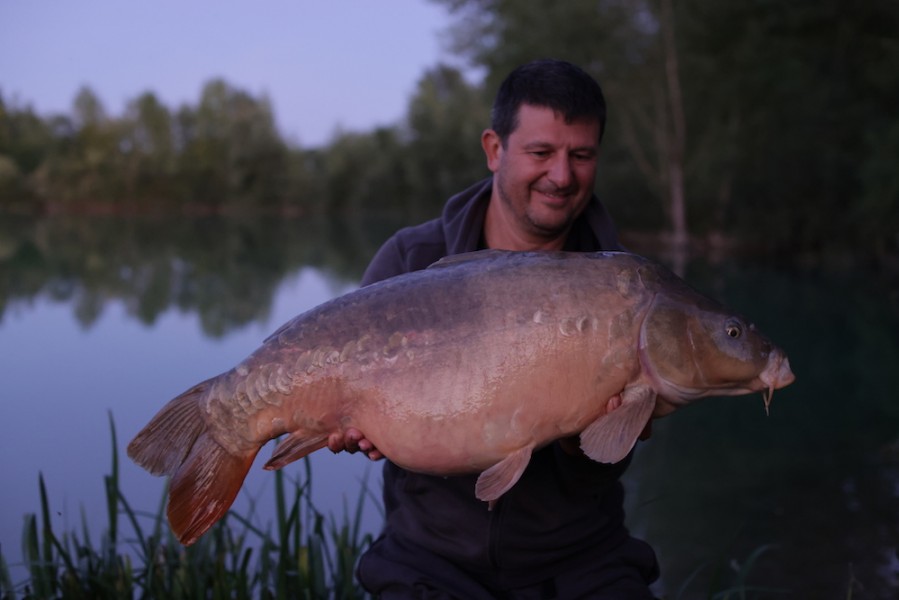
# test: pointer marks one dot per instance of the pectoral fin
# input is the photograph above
(498, 479)
(294, 447)
(609, 438)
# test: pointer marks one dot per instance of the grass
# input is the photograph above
(309, 556)
(731, 582)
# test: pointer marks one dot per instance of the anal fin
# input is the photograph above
(294, 447)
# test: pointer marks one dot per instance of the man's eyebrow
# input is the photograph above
(539, 144)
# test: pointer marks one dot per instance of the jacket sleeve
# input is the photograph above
(409, 249)
(388, 262)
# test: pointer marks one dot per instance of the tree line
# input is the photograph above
(763, 123)
(224, 154)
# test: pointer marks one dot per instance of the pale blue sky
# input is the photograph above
(325, 64)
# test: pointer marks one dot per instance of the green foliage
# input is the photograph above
(789, 108)
(780, 117)
(802, 85)
(307, 556)
(444, 124)
(411, 169)
(224, 154)
(230, 149)
(24, 141)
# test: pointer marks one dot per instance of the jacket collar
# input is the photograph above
(464, 213)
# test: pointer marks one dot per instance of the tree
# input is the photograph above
(443, 125)
(789, 109)
(802, 95)
(364, 172)
(24, 141)
(148, 143)
(87, 166)
(229, 148)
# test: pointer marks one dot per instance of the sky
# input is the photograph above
(325, 65)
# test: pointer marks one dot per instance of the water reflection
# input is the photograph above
(60, 380)
(224, 270)
(107, 314)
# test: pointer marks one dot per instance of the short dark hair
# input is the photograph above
(555, 84)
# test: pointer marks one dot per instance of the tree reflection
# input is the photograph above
(225, 270)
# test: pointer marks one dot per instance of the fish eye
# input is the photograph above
(733, 330)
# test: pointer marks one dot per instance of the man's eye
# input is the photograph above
(540, 153)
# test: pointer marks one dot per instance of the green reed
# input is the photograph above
(731, 581)
(308, 556)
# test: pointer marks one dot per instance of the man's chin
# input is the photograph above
(551, 226)
(553, 210)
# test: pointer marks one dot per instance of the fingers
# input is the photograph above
(352, 441)
(348, 441)
(614, 402)
(374, 454)
(336, 443)
(368, 449)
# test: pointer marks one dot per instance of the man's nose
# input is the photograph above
(560, 172)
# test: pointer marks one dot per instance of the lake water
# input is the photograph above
(62, 381)
(118, 317)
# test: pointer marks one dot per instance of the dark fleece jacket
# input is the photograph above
(562, 509)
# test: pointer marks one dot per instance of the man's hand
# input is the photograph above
(353, 441)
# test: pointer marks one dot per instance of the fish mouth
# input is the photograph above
(777, 375)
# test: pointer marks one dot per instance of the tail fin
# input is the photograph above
(205, 476)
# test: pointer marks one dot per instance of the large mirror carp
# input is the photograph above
(465, 367)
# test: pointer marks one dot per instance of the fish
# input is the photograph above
(468, 366)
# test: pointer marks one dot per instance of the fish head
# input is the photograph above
(692, 347)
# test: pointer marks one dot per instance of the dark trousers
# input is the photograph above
(393, 570)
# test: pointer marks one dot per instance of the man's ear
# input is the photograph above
(493, 148)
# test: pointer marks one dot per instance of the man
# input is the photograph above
(559, 532)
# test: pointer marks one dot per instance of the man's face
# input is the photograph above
(543, 177)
